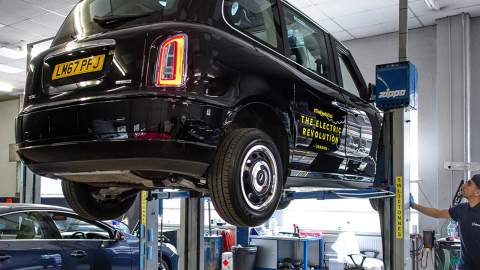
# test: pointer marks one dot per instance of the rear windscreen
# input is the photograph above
(87, 16)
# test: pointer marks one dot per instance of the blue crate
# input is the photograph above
(396, 85)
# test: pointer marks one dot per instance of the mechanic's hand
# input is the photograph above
(412, 201)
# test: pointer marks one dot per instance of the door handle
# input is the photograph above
(78, 253)
(5, 257)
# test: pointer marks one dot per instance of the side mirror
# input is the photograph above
(371, 92)
(118, 235)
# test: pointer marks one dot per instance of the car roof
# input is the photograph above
(6, 208)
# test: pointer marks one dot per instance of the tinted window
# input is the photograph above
(348, 81)
(256, 17)
(81, 21)
(21, 226)
(74, 228)
(308, 46)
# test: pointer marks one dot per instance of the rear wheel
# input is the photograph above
(96, 203)
(246, 178)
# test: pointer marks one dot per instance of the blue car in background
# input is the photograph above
(49, 237)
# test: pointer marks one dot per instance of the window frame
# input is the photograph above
(52, 228)
(277, 19)
(327, 36)
(353, 69)
(72, 215)
(45, 225)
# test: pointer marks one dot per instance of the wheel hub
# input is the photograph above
(259, 177)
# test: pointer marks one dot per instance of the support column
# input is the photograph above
(31, 184)
(398, 174)
(190, 244)
(452, 113)
(148, 230)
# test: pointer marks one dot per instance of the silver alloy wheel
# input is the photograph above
(259, 177)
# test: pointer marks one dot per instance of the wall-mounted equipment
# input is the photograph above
(396, 85)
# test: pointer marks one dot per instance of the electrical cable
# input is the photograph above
(427, 250)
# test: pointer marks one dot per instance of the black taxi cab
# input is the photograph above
(238, 99)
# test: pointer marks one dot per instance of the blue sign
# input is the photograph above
(396, 85)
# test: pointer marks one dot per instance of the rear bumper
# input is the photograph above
(157, 156)
(137, 134)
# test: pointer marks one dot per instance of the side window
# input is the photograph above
(73, 228)
(348, 81)
(307, 43)
(21, 226)
(256, 17)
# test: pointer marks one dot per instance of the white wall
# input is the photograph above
(475, 87)
(8, 170)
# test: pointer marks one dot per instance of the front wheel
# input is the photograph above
(96, 203)
(283, 204)
(246, 178)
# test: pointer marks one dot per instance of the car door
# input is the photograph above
(26, 242)
(89, 244)
(362, 121)
(320, 123)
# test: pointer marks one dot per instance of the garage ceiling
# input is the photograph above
(348, 19)
(26, 21)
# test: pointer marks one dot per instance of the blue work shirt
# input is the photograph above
(468, 219)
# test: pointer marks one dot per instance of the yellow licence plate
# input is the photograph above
(79, 66)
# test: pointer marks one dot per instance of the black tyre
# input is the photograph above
(246, 178)
(84, 200)
(163, 265)
(283, 204)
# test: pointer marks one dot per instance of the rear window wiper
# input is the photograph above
(114, 19)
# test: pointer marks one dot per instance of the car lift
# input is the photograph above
(395, 180)
(189, 246)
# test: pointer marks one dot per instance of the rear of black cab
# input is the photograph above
(104, 93)
(97, 71)
(102, 67)
(96, 52)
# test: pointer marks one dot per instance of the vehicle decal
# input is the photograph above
(325, 133)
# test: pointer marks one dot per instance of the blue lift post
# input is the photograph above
(151, 207)
(190, 241)
(149, 211)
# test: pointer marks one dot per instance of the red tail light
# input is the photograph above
(8, 200)
(172, 60)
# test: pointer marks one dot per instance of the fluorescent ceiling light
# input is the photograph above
(9, 69)
(433, 4)
(13, 54)
(6, 87)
